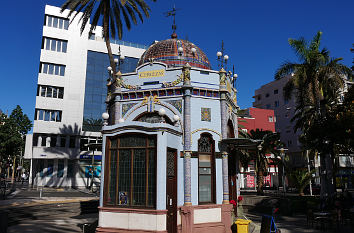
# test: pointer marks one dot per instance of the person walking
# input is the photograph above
(23, 177)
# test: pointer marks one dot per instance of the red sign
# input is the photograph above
(250, 181)
(267, 181)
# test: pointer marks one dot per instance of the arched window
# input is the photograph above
(130, 172)
(206, 169)
(153, 117)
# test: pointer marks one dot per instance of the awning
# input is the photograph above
(241, 143)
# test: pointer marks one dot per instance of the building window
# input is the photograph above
(270, 119)
(276, 103)
(44, 140)
(53, 140)
(60, 168)
(289, 143)
(54, 44)
(71, 168)
(286, 101)
(52, 69)
(206, 169)
(259, 97)
(50, 91)
(131, 171)
(267, 95)
(62, 141)
(96, 89)
(94, 141)
(56, 22)
(72, 141)
(275, 91)
(47, 115)
(50, 167)
(41, 168)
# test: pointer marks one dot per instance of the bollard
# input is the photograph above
(40, 193)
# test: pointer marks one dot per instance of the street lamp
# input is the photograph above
(105, 117)
(120, 60)
(221, 57)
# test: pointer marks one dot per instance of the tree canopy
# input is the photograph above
(270, 145)
(13, 129)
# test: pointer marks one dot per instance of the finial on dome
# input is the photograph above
(174, 35)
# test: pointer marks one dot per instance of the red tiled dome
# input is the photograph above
(167, 51)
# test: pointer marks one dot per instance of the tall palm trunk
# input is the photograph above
(260, 182)
(107, 39)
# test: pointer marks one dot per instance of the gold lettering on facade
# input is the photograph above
(152, 74)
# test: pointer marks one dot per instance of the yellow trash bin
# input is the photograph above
(242, 225)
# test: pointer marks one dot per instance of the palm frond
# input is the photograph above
(116, 10)
(142, 4)
(316, 42)
(285, 69)
(131, 13)
(137, 10)
(300, 48)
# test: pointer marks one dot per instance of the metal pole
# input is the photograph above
(309, 169)
(93, 161)
(282, 158)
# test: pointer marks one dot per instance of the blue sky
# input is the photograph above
(255, 35)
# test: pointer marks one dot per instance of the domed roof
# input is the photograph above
(167, 51)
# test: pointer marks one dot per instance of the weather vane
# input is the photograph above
(173, 14)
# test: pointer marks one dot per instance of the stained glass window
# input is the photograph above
(112, 178)
(206, 169)
(134, 165)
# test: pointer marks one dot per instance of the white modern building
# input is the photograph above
(70, 100)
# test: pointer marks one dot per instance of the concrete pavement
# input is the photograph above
(48, 209)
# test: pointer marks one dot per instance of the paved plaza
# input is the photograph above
(67, 210)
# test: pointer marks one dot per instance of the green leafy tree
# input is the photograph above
(270, 142)
(300, 178)
(316, 81)
(12, 133)
(112, 13)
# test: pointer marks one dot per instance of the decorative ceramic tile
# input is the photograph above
(126, 108)
(205, 114)
(177, 104)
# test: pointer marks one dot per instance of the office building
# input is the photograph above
(65, 146)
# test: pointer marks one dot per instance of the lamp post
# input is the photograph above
(119, 61)
(282, 155)
(222, 58)
(309, 170)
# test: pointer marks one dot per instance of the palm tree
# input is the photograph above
(112, 12)
(270, 143)
(317, 80)
(300, 178)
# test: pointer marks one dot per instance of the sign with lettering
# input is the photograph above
(267, 180)
(152, 74)
(250, 181)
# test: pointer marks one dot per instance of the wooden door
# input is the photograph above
(171, 190)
